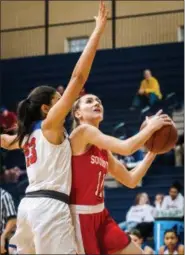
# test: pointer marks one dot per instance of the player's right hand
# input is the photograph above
(101, 19)
(159, 120)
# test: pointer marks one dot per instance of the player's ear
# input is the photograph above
(78, 114)
(45, 109)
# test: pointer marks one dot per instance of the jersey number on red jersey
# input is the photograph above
(100, 185)
(30, 152)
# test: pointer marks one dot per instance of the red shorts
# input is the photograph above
(98, 233)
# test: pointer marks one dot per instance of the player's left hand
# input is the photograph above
(101, 19)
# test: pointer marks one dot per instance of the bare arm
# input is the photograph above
(10, 227)
(164, 203)
(91, 135)
(79, 76)
(6, 141)
(129, 179)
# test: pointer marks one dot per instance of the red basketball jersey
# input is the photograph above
(88, 174)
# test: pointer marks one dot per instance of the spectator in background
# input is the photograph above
(141, 212)
(175, 200)
(12, 175)
(60, 89)
(8, 218)
(158, 201)
(149, 92)
(8, 121)
(137, 238)
(171, 243)
(179, 151)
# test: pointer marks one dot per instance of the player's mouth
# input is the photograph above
(98, 110)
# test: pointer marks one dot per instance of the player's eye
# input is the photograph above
(89, 100)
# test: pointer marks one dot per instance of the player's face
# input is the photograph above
(173, 193)
(136, 240)
(45, 108)
(90, 109)
(170, 239)
(55, 98)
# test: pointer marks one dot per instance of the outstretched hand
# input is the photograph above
(101, 19)
(159, 120)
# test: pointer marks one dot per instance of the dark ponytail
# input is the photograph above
(24, 120)
(29, 110)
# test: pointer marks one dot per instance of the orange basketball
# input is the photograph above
(163, 140)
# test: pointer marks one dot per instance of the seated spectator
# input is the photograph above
(137, 238)
(8, 121)
(12, 175)
(179, 151)
(158, 201)
(60, 89)
(149, 92)
(141, 212)
(175, 200)
(2, 165)
(8, 219)
(171, 243)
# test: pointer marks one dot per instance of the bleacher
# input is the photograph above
(115, 76)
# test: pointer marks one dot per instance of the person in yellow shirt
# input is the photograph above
(149, 92)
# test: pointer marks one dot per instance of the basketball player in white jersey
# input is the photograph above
(44, 222)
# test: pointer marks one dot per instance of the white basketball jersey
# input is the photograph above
(166, 251)
(48, 165)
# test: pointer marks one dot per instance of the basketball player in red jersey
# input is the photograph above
(96, 231)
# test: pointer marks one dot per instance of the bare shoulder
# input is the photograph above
(81, 130)
(77, 139)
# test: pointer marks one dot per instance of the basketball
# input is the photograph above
(163, 140)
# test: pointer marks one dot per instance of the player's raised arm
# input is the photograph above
(80, 73)
(91, 135)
